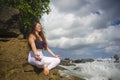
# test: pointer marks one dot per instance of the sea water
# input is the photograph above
(104, 69)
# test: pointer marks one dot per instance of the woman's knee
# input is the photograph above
(29, 61)
(57, 60)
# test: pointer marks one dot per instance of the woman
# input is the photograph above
(37, 42)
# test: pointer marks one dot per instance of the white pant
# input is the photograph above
(50, 61)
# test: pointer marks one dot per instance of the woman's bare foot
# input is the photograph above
(46, 70)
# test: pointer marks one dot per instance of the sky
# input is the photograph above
(83, 28)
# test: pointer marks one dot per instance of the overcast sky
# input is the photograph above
(83, 28)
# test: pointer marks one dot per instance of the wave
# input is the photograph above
(97, 70)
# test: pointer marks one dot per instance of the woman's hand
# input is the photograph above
(37, 56)
(57, 56)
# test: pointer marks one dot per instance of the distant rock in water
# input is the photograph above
(9, 25)
(67, 63)
(83, 60)
(77, 69)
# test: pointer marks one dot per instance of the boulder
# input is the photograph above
(67, 63)
(83, 60)
(9, 22)
(14, 65)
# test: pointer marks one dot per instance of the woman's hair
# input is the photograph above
(41, 33)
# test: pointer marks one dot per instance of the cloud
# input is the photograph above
(84, 27)
(69, 5)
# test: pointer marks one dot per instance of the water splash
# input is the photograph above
(97, 70)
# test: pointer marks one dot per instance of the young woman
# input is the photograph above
(37, 42)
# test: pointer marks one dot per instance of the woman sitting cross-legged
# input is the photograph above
(37, 42)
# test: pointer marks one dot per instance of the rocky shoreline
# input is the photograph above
(14, 66)
(69, 62)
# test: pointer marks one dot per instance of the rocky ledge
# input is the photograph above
(14, 66)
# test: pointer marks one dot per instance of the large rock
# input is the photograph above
(14, 65)
(9, 22)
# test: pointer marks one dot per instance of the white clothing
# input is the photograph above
(50, 61)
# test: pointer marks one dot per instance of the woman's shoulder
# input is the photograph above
(31, 36)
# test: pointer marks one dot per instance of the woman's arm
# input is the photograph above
(32, 44)
(53, 54)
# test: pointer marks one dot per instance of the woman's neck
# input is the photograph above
(38, 36)
(37, 33)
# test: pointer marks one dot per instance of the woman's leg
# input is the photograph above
(49, 63)
(32, 60)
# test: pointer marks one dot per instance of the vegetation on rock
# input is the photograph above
(30, 11)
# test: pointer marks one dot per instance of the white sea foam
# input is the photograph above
(104, 69)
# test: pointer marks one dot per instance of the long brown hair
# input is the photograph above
(41, 34)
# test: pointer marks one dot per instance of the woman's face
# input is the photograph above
(38, 27)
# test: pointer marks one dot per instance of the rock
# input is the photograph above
(83, 60)
(9, 22)
(21, 36)
(7, 13)
(60, 68)
(67, 63)
(116, 58)
(77, 69)
(71, 78)
(14, 65)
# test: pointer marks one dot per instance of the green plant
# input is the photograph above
(30, 11)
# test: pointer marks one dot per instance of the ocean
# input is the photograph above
(99, 69)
